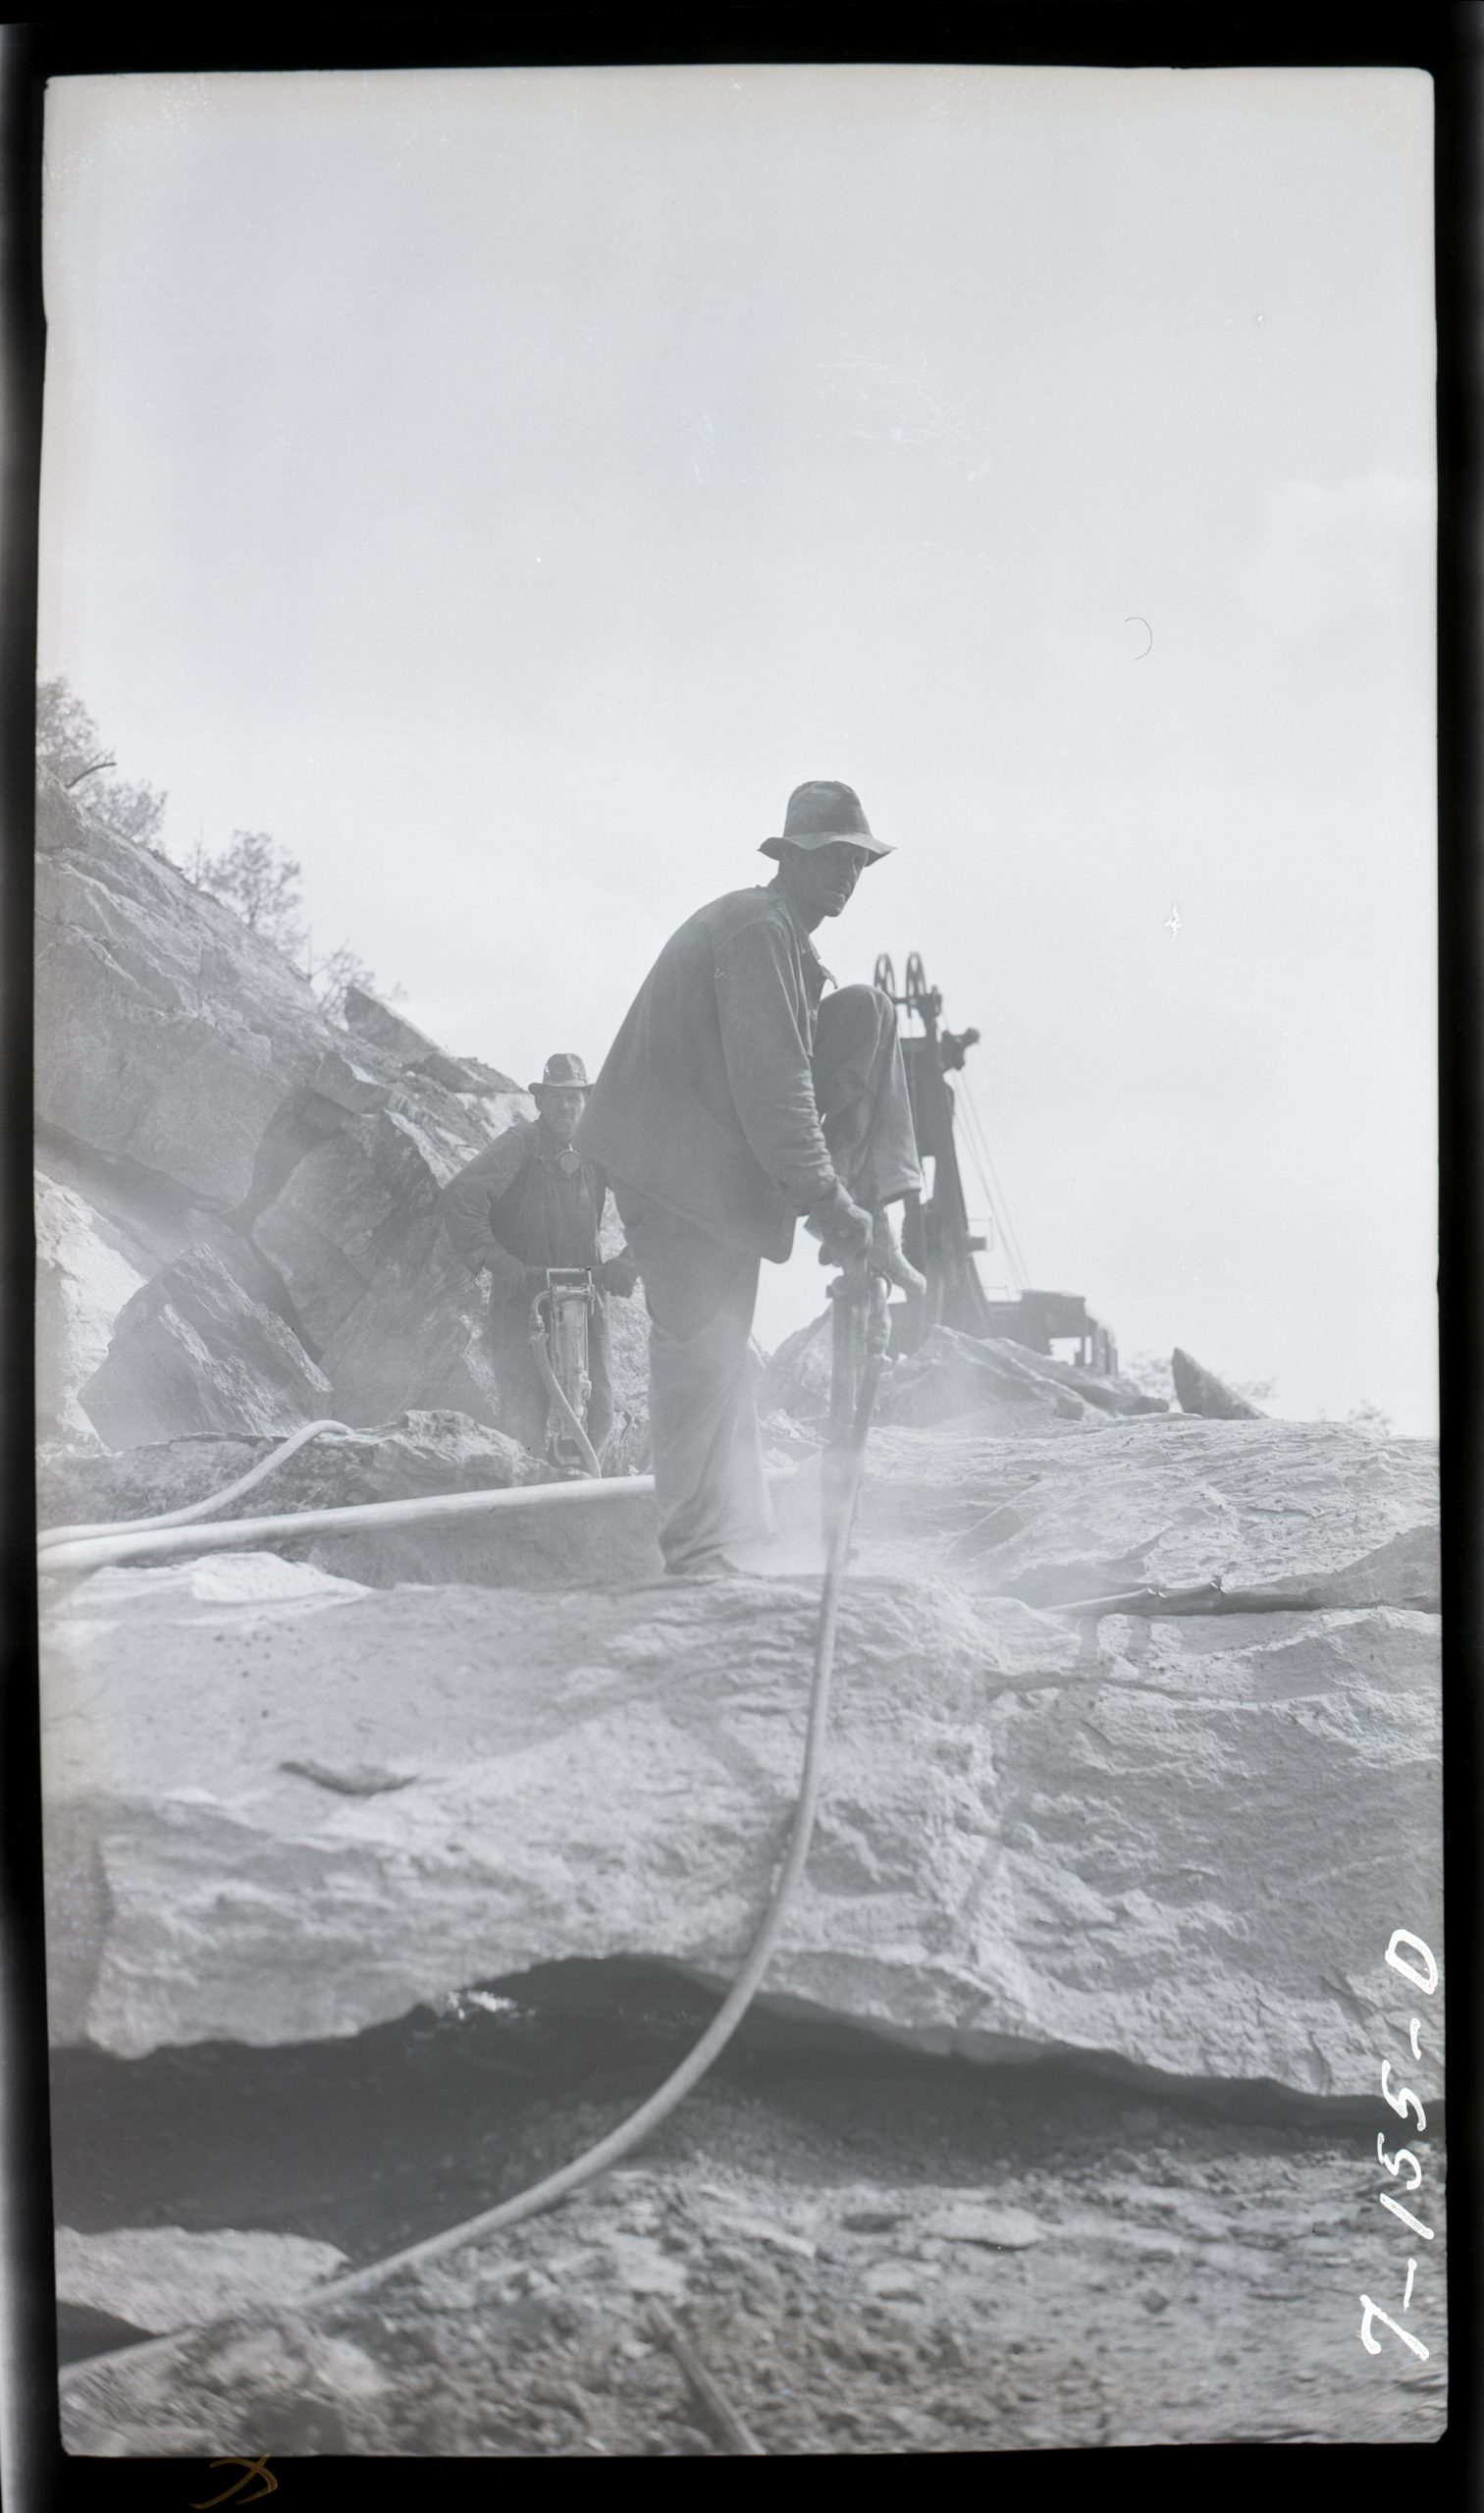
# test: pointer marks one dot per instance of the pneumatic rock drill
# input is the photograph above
(559, 1321)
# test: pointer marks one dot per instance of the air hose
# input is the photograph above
(842, 1492)
(198, 1509)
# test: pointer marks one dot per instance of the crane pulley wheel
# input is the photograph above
(883, 976)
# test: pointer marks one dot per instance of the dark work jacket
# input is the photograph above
(706, 1102)
(513, 1207)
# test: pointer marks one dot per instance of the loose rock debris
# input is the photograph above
(1192, 2277)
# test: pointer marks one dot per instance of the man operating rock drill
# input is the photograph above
(734, 1100)
(527, 1202)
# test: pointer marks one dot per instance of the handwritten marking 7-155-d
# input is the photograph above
(1402, 2102)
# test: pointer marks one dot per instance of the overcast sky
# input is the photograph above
(503, 487)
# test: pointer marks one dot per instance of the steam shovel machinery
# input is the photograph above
(936, 1229)
(559, 1319)
(935, 1234)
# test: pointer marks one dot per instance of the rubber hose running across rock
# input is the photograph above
(642, 2123)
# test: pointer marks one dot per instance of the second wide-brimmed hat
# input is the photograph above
(563, 1073)
(824, 814)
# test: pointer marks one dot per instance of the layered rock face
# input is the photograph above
(167, 1033)
(294, 1808)
(355, 1238)
(84, 1277)
(191, 1343)
(195, 1111)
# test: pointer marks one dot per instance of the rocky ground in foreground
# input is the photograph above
(291, 1817)
(871, 2253)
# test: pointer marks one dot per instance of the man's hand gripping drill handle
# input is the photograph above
(861, 1333)
(843, 1227)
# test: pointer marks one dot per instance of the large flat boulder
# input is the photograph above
(158, 2277)
(190, 1351)
(291, 1808)
(1161, 1500)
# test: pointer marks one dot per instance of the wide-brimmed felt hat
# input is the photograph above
(824, 814)
(563, 1073)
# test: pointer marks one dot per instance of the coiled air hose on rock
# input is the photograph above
(840, 1494)
(258, 1474)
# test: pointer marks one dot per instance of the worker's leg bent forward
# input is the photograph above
(861, 1090)
(710, 1488)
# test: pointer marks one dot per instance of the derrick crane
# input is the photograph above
(935, 1234)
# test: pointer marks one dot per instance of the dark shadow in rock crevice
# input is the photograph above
(377, 2140)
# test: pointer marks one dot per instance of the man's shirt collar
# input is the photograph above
(805, 939)
(548, 1150)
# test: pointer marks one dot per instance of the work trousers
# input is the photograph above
(709, 1487)
(524, 1401)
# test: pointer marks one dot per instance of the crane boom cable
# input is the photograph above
(1017, 1265)
(1018, 1268)
(980, 1146)
(995, 1214)
(998, 1219)
(978, 1125)
(917, 998)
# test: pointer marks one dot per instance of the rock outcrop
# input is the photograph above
(166, 1032)
(194, 1106)
(102, 1230)
(83, 1279)
(951, 1374)
(1181, 1843)
(383, 1028)
(190, 1353)
(1200, 1390)
(356, 1238)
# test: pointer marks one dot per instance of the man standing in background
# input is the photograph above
(527, 1202)
(732, 1101)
